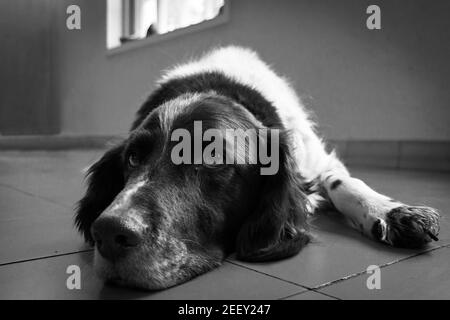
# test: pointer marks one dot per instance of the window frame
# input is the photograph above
(127, 26)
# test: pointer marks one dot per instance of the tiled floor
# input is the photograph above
(37, 244)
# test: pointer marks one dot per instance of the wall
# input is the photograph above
(391, 84)
(25, 68)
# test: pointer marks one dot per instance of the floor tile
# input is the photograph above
(57, 176)
(31, 227)
(34, 238)
(46, 279)
(16, 204)
(423, 277)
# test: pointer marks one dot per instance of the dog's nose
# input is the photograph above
(113, 238)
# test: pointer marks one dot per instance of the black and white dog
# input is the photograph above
(156, 224)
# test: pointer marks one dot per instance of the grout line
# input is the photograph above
(34, 195)
(326, 284)
(326, 294)
(303, 292)
(269, 275)
(45, 257)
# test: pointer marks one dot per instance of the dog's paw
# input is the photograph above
(408, 227)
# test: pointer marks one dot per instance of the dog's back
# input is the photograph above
(245, 66)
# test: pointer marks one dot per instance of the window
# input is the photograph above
(132, 20)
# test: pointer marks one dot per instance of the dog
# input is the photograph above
(156, 224)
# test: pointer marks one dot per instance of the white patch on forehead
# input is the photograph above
(133, 189)
(123, 199)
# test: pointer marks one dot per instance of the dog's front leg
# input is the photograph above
(378, 216)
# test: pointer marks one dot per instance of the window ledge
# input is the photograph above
(157, 38)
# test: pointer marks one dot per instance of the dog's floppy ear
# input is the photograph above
(105, 181)
(277, 229)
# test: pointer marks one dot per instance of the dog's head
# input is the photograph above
(157, 223)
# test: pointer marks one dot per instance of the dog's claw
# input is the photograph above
(432, 236)
(412, 227)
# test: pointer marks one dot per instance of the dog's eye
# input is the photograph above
(133, 160)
